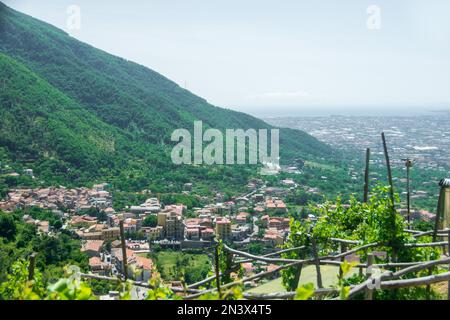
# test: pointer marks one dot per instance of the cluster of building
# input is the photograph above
(225, 220)
(74, 200)
(421, 215)
(424, 138)
(43, 226)
(88, 214)
(106, 262)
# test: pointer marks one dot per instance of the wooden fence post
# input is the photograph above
(408, 191)
(317, 263)
(369, 292)
(361, 268)
(298, 272)
(366, 176)
(448, 250)
(389, 171)
(217, 269)
(428, 288)
(230, 258)
(31, 266)
(391, 193)
(343, 249)
(124, 250)
(438, 217)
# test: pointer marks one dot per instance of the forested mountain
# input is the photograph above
(75, 114)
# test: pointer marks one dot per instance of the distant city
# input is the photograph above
(422, 138)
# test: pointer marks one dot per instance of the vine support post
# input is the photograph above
(298, 273)
(408, 190)
(369, 292)
(124, 250)
(343, 249)
(448, 251)
(31, 266)
(230, 258)
(366, 176)
(361, 273)
(391, 192)
(428, 288)
(217, 269)
(317, 262)
(439, 214)
(389, 171)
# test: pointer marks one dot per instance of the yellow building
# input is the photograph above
(172, 225)
(155, 233)
(162, 218)
(223, 228)
(110, 234)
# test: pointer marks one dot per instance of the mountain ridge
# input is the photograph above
(131, 102)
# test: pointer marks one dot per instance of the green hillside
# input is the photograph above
(75, 114)
(42, 128)
(42, 125)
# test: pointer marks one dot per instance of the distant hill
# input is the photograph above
(76, 114)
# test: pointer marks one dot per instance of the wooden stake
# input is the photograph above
(124, 251)
(428, 288)
(343, 249)
(408, 191)
(448, 250)
(31, 266)
(217, 269)
(369, 292)
(391, 184)
(298, 273)
(440, 210)
(366, 176)
(389, 172)
(317, 263)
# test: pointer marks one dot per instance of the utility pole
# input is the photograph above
(408, 164)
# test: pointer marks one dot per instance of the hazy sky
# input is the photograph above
(264, 54)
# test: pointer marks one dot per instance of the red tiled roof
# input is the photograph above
(94, 245)
(144, 263)
(95, 261)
